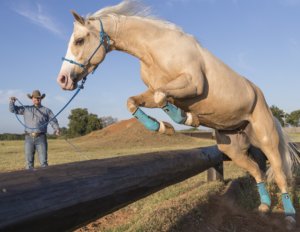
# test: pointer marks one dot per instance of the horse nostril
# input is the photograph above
(62, 79)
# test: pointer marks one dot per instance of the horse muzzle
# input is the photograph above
(66, 83)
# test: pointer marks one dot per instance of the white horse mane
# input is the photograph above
(132, 8)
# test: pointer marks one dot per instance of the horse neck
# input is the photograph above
(127, 34)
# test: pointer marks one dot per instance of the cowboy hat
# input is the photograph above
(36, 94)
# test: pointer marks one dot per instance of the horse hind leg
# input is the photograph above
(236, 146)
(266, 136)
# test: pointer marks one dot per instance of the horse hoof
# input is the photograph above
(166, 128)
(290, 222)
(264, 209)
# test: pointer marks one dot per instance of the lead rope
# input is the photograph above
(80, 87)
(77, 150)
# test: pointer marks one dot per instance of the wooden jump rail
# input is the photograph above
(67, 196)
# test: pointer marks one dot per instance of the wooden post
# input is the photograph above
(65, 197)
(215, 173)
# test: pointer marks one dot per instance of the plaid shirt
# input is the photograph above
(35, 117)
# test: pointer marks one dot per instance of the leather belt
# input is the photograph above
(35, 134)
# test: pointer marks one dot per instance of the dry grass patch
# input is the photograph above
(192, 205)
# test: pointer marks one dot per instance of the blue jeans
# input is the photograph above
(38, 144)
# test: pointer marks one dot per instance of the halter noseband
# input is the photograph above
(103, 36)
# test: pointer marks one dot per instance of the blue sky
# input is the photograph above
(260, 39)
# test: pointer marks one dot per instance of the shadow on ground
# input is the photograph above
(224, 214)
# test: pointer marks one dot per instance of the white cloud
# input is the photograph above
(243, 63)
(289, 2)
(235, 1)
(60, 99)
(294, 43)
(6, 94)
(37, 15)
(22, 96)
(172, 2)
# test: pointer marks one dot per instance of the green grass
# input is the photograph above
(165, 210)
(61, 151)
(11, 155)
(156, 212)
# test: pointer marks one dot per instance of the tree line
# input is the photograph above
(285, 119)
(81, 122)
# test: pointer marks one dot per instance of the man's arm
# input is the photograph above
(13, 108)
(54, 123)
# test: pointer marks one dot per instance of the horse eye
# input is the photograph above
(79, 42)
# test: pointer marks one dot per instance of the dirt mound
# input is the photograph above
(131, 133)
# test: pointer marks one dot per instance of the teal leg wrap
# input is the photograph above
(263, 193)
(147, 121)
(176, 114)
(288, 205)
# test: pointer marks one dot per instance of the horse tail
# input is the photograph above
(290, 154)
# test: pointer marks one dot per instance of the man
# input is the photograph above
(36, 118)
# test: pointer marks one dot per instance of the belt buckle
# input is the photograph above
(34, 134)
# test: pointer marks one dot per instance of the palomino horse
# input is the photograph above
(190, 84)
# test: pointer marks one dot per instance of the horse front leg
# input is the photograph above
(182, 87)
(146, 100)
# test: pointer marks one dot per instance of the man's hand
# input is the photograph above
(13, 99)
(57, 132)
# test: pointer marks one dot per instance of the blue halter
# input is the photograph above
(103, 36)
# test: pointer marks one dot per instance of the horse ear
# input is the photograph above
(77, 17)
